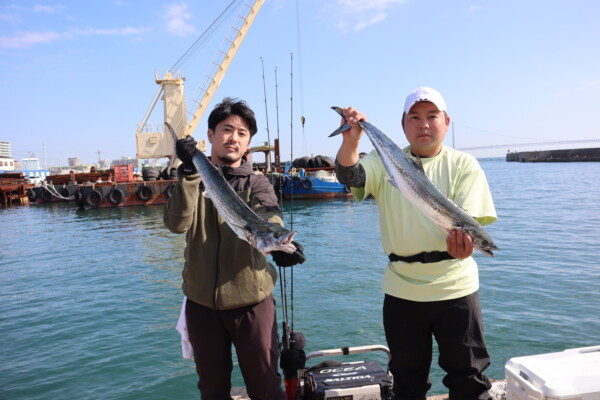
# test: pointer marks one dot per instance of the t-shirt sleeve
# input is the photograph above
(371, 165)
(472, 193)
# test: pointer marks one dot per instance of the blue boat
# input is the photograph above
(312, 183)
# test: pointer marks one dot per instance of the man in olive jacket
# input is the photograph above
(227, 282)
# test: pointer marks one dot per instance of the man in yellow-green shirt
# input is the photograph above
(431, 282)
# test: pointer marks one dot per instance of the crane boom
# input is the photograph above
(157, 144)
(223, 66)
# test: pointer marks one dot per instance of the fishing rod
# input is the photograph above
(277, 110)
(266, 108)
(293, 358)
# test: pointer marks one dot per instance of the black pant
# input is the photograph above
(253, 332)
(457, 326)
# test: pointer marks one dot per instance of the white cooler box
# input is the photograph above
(573, 374)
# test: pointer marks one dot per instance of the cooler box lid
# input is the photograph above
(569, 373)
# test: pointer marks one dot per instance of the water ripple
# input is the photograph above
(90, 298)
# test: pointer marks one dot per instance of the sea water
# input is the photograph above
(89, 299)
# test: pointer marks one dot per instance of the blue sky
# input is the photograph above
(78, 76)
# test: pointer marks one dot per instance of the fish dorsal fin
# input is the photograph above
(393, 183)
(419, 163)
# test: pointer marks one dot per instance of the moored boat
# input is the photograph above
(313, 183)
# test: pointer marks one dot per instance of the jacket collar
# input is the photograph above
(244, 169)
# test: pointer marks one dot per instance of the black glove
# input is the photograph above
(185, 152)
(283, 259)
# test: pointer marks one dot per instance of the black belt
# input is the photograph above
(424, 257)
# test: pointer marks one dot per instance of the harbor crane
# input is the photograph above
(158, 144)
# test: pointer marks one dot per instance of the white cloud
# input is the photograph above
(113, 32)
(176, 17)
(359, 14)
(474, 8)
(47, 9)
(27, 39)
(10, 18)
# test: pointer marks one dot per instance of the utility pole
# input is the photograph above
(453, 146)
(45, 163)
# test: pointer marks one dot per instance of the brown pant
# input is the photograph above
(253, 331)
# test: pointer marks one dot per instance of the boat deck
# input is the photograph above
(498, 392)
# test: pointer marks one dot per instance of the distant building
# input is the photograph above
(30, 164)
(5, 150)
(6, 164)
(74, 162)
(127, 161)
(104, 164)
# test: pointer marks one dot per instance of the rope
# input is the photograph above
(52, 190)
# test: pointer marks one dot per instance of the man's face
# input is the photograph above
(425, 128)
(229, 141)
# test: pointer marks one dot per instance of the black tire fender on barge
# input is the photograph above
(145, 192)
(46, 195)
(32, 195)
(93, 198)
(65, 192)
(169, 190)
(116, 196)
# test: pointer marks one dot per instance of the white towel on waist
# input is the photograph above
(186, 346)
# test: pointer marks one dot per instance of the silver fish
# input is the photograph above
(265, 236)
(408, 177)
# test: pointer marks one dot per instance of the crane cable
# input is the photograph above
(302, 119)
(205, 36)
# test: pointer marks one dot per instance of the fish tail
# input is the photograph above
(173, 135)
(339, 130)
(342, 128)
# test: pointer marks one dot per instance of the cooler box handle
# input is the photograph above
(344, 351)
(583, 350)
(513, 386)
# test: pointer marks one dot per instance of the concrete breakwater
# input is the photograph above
(566, 155)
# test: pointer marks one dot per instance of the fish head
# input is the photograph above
(484, 244)
(279, 240)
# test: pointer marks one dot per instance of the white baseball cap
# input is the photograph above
(425, 94)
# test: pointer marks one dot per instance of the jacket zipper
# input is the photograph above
(216, 284)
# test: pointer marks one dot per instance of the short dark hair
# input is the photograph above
(229, 107)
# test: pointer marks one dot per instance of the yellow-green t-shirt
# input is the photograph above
(406, 231)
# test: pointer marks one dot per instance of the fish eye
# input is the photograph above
(485, 243)
(276, 235)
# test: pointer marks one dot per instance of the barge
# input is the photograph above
(14, 187)
(117, 187)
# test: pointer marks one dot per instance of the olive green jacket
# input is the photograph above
(222, 271)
